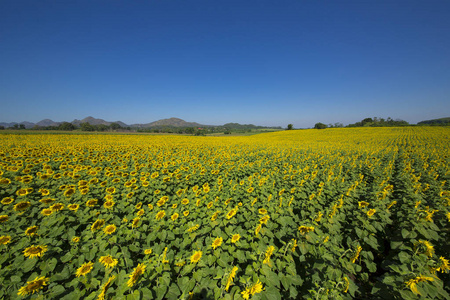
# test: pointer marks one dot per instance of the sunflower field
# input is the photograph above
(350, 213)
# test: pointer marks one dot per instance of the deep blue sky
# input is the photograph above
(213, 62)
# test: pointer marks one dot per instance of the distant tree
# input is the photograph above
(290, 127)
(86, 127)
(338, 125)
(21, 126)
(190, 130)
(66, 126)
(115, 126)
(2, 127)
(101, 127)
(320, 126)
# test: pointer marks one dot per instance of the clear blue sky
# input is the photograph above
(263, 62)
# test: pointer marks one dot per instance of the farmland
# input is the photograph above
(344, 213)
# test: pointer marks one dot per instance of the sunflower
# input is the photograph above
(109, 197)
(7, 200)
(235, 238)
(135, 222)
(84, 269)
(371, 212)
(175, 216)
(262, 211)
(185, 201)
(412, 283)
(134, 276)
(91, 203)
(111, 190)
(57, 207)
(160, 215)
(356, 254)
(105, 288)
(5, 181)
(69, 192)
(73, 207)
(254, 289)
(148, 251)
(35, 251)
(214, 216)
(33, 286)
(444, 265)
(46, 212)
(193, 228)
(231, 278)
(22, 205)
(75, 239)
(139, 205)
(250, 190)
(5, 239)
(258, 229)
(30, 231)
(305, 229)
(231, 213)
(22, 192)
(186, 213)
(109, 229)
(108, 261)
(264, 219)
(425, 246)
(140, 213)
(97, 225)
(196, 256)
(154, 175)
(269, 253)
(362, 204)
(174, 206)
(46, 200)
(3, 218)
(217, 242)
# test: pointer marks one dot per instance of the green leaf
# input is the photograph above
(161, 292)
(29, 264)
(173, 292)
(271, 293)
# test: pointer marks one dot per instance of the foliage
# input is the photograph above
(348, 213)
(320, 126)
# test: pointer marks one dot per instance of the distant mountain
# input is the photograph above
(171, 122)
(47, 122)
(435, 121)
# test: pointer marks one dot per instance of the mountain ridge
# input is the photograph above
(168, 122)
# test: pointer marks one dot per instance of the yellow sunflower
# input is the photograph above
(5, 239)
(85, 269)
(160, 215)
(196, 256)
(7, 200)
(175, 216)
(30, 231)
(108, 261)
(46, 200)
(134, 276)
(33, 286)
(35, 251)
(73, 207)
(217, 242)
(109, 229)
(97, 225)
(3, 218)
(57, 207)
(235, 238)
(91, 203)
(22, 205)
